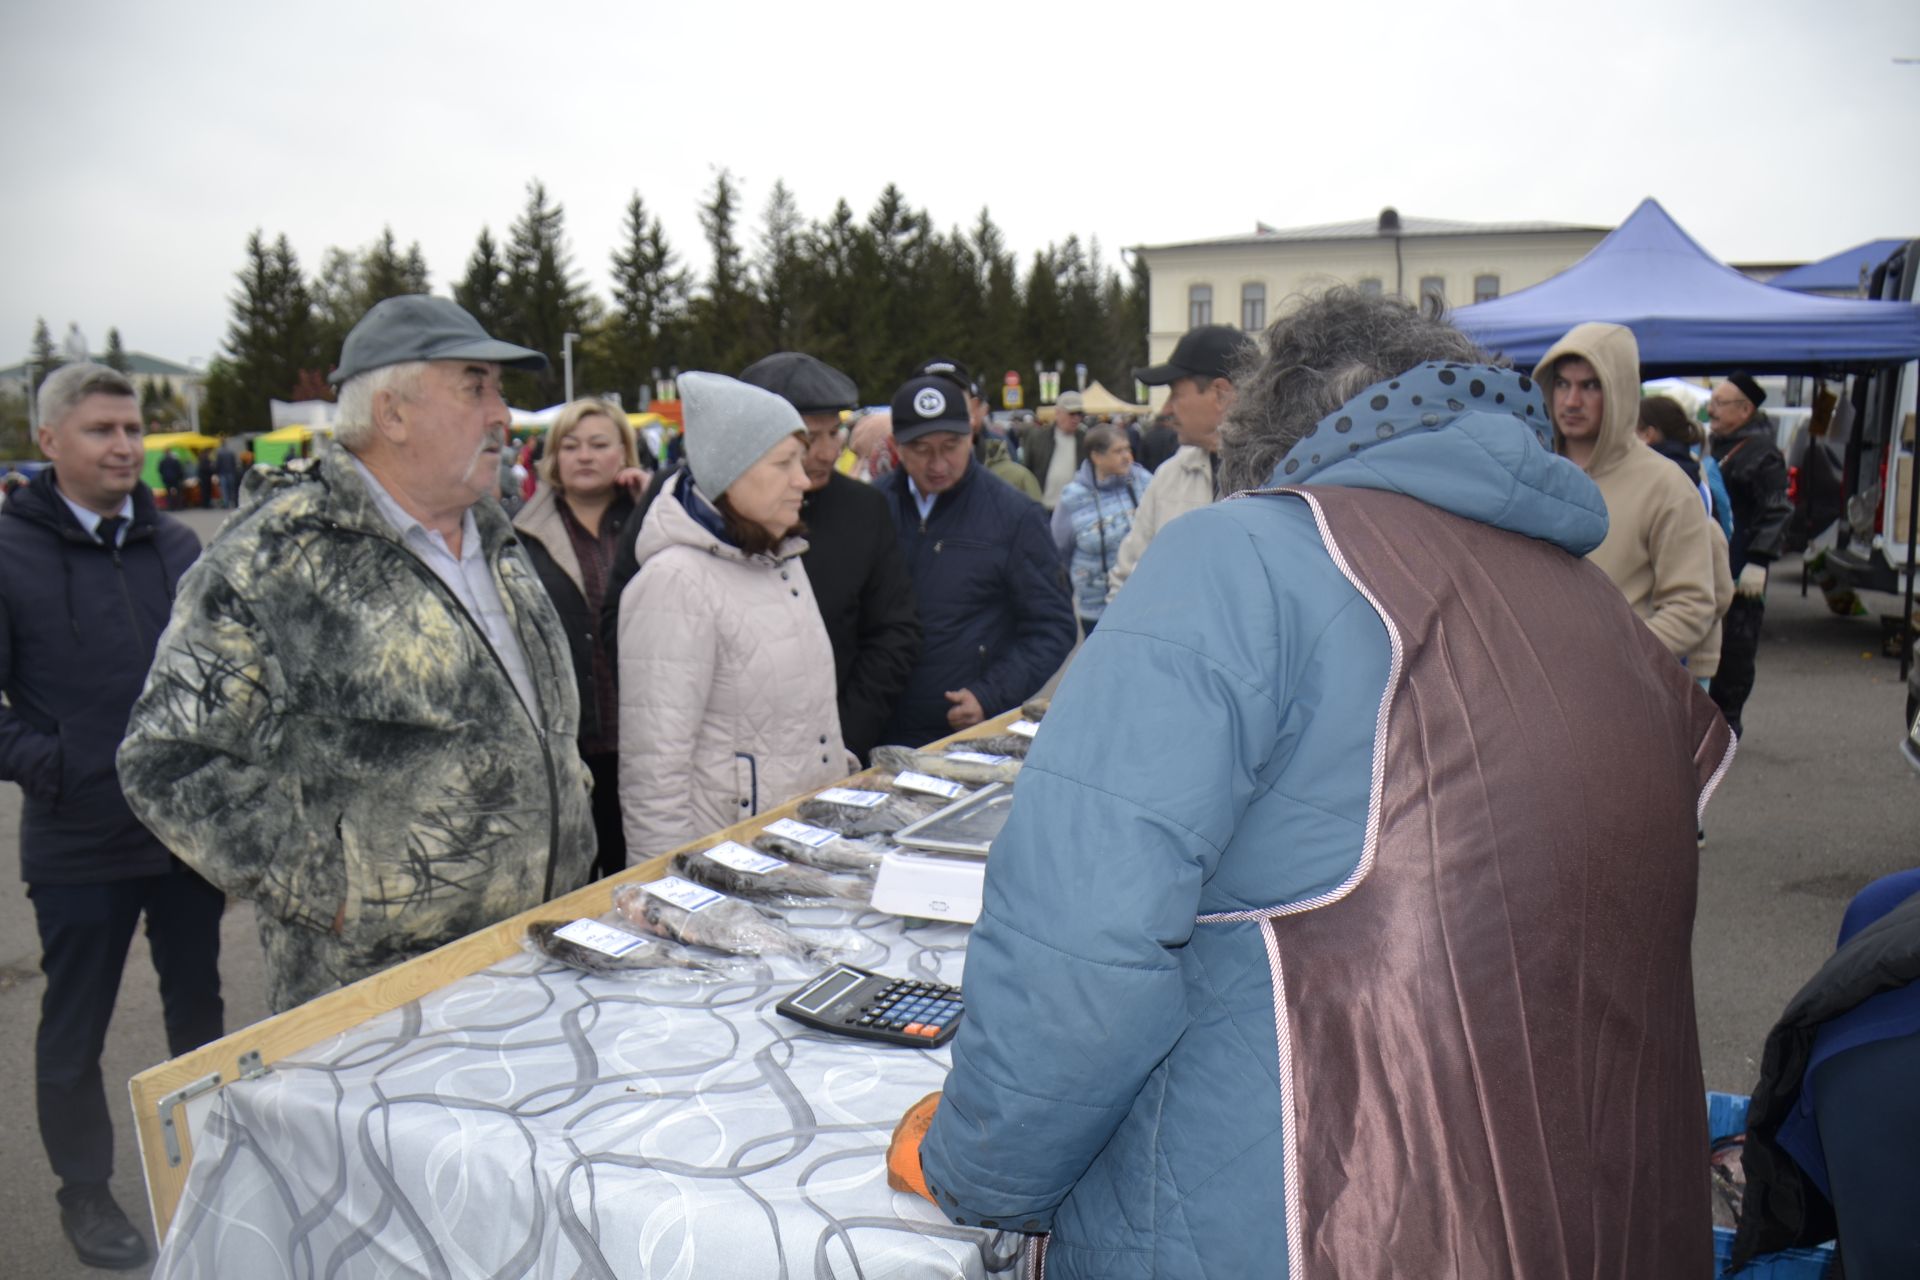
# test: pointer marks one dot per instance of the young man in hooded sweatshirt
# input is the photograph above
(1657, 549)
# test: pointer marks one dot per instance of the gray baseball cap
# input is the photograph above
(418, 326)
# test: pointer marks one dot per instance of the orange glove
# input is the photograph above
(903, 1153)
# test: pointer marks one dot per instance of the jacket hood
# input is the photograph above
(1084, 477)
(327, 488)
(1469, 439)
(681, 516)
(1614, 353)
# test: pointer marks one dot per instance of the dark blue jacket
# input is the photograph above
(78, 625)
(995, 616)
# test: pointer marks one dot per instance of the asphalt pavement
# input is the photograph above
(1818, 803)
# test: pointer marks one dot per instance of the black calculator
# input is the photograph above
(871, 1006)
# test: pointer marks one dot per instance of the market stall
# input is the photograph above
(487, 1110)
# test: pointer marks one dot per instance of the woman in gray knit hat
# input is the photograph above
(727, 697)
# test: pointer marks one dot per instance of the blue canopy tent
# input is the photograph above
(1843, 273)
(1692, 314)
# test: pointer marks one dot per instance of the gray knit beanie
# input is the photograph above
(730, 426)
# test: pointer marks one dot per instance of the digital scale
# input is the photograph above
(940, 870)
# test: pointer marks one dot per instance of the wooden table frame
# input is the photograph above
(160, 1093)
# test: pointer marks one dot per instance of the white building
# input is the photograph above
(1246, 280)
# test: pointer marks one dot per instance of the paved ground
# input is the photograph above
(1818, 803)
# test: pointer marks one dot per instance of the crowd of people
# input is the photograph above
(1339, 708)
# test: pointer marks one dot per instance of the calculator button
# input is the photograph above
(913, 1028)
(928, 1032)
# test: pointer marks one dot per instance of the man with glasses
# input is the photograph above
(1756, 479)
(852, 559)
(988, 450)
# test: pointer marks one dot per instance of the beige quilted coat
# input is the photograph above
(727, 703)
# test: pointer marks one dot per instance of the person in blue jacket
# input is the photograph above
(995, 618)
(1355, 940)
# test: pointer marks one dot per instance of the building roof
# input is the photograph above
(1410, 225)
(139, 365)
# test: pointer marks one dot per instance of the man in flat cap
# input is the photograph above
(1054, 452)
(362, 716)
(1756, 477)
(1199, 380)
(852, 558)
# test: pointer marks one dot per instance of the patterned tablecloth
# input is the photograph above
(533, 1121)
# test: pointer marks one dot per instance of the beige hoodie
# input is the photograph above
(1658, 550)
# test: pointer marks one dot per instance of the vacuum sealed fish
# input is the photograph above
(865, 813)
(1000, 744)
(602, 947)
(683, 911)
(821, 847)
(749, 873)
(1035, 709)
(964, 764)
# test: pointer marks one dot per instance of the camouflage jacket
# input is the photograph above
(327, 732)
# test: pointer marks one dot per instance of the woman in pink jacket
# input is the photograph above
(727, 697)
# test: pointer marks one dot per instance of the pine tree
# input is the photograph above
(272, 337)
(1001, 316)
(781, 276)
(385, 272)
(116, 357)
(544, 300)
(649, 300)
(46, 356)
(723, 313)
(483, 290)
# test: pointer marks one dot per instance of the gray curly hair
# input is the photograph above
(1315, 358)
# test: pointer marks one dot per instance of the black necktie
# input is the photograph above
(109, 530)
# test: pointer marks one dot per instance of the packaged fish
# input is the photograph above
(965, 764)
(865, 813)
(1000, 744)
(1035, 709)
(821, 847)
(683, 911)
(761, 877)
(604, 947)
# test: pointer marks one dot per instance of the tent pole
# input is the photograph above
(1913, 522)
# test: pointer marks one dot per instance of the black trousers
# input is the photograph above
(1869, 1122)
(1739, 643)
(606, 814)
(85, 932)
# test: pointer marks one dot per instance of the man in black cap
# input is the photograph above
(1199, 381)
(989, 451)
(362, 717)
(1756, 478)
(995, 616)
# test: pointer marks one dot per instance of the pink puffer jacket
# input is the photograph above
(727, 701)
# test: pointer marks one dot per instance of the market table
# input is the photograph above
(485, 1111)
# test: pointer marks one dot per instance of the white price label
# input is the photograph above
(858, 799)
(801, 833)
(684, 894)
(741, 858)
(1025, 728)
(594, 936)
(910, 781)
(977, 757)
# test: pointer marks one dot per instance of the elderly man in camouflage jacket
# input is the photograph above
(362, 715)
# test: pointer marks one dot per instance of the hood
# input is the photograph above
(1614, 353)
(1111, 484)
(681, 516)
(991, 450)
(327, 490)
(1469, 439)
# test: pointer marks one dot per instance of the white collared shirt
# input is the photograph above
(467, 575)
(924, 501)
(90, 520)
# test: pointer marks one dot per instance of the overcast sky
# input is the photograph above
(146, 140)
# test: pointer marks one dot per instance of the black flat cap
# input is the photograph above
(1752, 390)
(808, 384)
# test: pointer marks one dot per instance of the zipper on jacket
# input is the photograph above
(537, 719)
(1037, 1258)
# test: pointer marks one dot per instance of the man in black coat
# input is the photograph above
(88, 569)
(852, 560)
(173, 474)
(987, 580)
(1756, 479)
